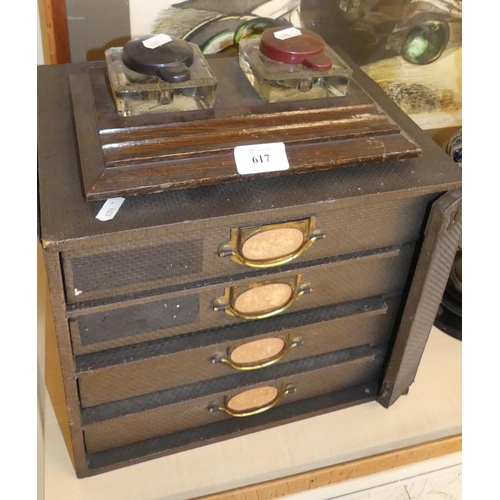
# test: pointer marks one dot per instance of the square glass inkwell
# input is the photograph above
(293, 64)
(159, 74)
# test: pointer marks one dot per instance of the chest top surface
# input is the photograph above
(65, 215)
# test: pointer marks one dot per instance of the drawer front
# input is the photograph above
(205, 356)
(190, 255)
(339, 280)
(326, 373)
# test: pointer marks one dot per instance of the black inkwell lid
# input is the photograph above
(165, 56)
(295, 46)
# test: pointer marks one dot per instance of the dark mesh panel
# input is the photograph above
(368, 274)
(113, 269)
(150, 317)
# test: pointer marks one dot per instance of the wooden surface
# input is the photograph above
(314, 448)
(154, 153)
(55, 30)
(353, 469)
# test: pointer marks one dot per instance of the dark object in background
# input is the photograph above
(425, 42)
(454, 147)
(449, 316)
(223, 33)
(357, 29)
(372, 30)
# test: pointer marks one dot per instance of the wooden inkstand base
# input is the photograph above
(151, 153)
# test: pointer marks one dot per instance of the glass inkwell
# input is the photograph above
(159, 74)
(293, 64)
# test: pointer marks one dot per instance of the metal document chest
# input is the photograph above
(203, 314)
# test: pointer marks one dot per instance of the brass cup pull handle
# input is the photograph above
(290, 290)
(248, 412)
(271, 245)
(290, 343)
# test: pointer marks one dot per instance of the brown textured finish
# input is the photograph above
(333, 474)
(443, 234)
(104, 377)
(142, 155)
(147, 260)
(227, 429)
(128, 322)
(141, 424)
(63, 340)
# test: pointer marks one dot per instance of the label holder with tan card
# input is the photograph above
(272, 244)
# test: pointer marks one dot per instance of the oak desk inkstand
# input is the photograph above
(158, 116)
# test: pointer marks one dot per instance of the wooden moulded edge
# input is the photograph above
(333, 474)
(92, 165)
(136, 163)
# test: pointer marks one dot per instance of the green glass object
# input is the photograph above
(425, 42)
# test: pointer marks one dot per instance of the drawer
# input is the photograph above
(237, 396)
(131, 371)
(331, 281)
(184, 440)
(196, 253)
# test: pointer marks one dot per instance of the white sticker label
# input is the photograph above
(261, 158)
(156, 41)
(287, 33)
(109, 209)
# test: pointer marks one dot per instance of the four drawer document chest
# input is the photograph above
(203, 314)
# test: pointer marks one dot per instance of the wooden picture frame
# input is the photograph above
(54, 27)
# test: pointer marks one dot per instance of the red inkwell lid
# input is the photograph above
(295, 46)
